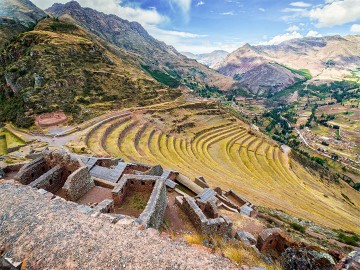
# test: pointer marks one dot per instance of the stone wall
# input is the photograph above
(235, 198)
(201, 182)
(133, 182)
(108, 162)
(78, 183)
(153, 215)
(51, 181)
(106, 206)
(32, 171)
(221, 226)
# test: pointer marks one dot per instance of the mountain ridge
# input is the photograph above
(328, 58)
(132, 37)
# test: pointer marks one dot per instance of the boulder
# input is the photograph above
(303, 259)
(247, 238)
(350, 262)
(273, 241)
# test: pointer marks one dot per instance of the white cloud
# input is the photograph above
(143, 16)
(355, 28)
(200, 3)
(156, 32)
(262, 9)
(293, 28)
(229, 13)
(280, 38)
(335, 12)
(207, 47)
(184, 5)
(293, 10)
(313, 33)
(300, 4)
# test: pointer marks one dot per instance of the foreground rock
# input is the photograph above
(303, 259)
(350, 262)
(53, 234)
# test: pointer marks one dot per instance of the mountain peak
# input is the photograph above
(72, 5)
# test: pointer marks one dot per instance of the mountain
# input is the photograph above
(9, 28)
(208, 59)
(59, 66)
(156, 57)
(23, 10)
(278, 66)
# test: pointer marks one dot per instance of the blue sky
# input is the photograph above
(202, 26)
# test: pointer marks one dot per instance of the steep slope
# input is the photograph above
(208, 59)
(326, 58)
(59, 66)
(9, 28)
(256, 71)
(156, 57)
(23, 10)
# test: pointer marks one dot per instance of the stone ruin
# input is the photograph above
(202, 209)
(103, 184)
(58, 173)
(50, 119)
(72, 177)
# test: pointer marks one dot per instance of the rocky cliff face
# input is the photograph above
(22, 10)
(133, 38)
(325, 58)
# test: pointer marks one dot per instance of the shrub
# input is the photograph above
(357, 186)
(298, 227)
(350, 240)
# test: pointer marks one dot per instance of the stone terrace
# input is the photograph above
(53, 234)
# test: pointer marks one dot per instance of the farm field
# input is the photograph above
(200, 139)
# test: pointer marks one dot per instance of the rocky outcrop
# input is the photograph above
(350, 262)
(303, 259)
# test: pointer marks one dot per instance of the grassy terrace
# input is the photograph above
(222, 150)
(11, 141)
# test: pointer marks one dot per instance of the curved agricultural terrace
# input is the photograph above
(201, 140)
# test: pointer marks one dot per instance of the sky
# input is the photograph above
(202, 26)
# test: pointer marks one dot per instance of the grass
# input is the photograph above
(227, 156)
(12, 140)
(298, 227)
(3, 145)
(233, 250)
